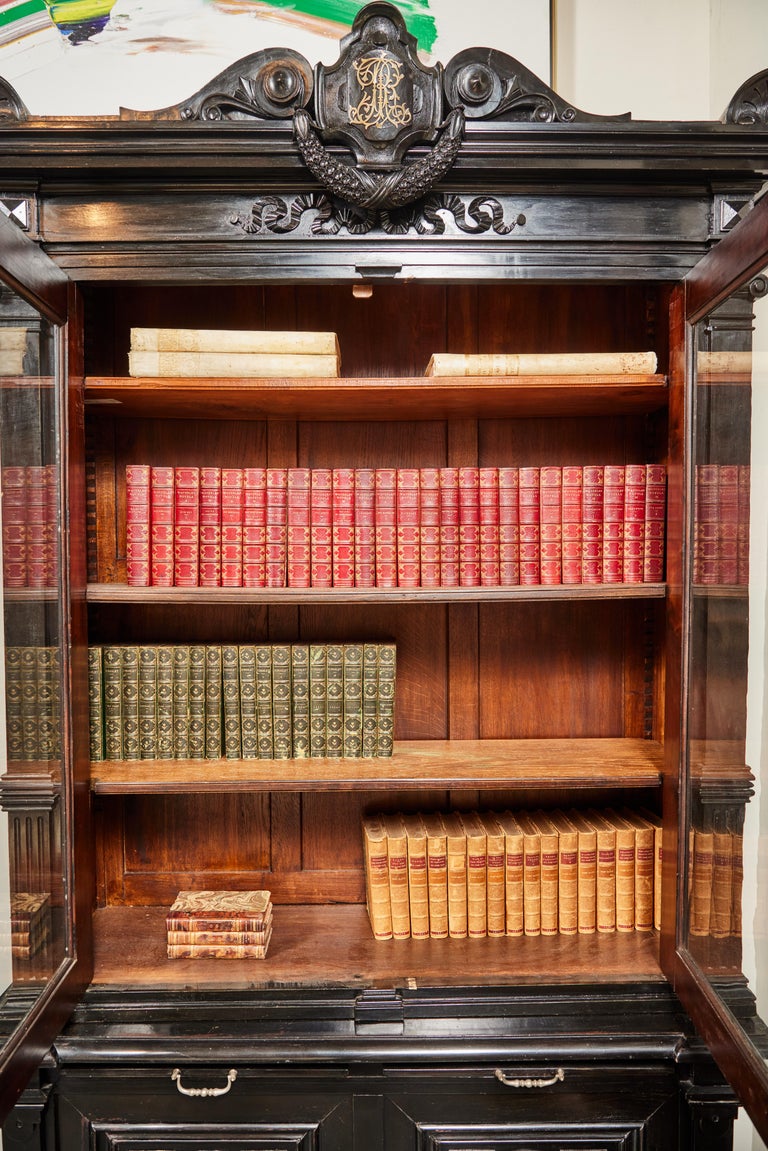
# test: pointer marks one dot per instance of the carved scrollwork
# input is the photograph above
(750, 103)
(11, 105)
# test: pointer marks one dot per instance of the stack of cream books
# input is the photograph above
(191, 352)
(219, 925)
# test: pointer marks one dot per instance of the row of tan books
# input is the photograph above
(246, 701)
(32, 703)
(219, 925)
(191, 352)
(30, 923)
(716, 879)
(476, 874)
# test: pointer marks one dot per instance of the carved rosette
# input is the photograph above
(11, 105)
(750, 103)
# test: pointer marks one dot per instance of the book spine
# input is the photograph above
(148, 702)
(437, 883)
(477, 883)
(30, 706)
(217, 938)
(13, 704)
(532, 883)
(469, 527)
(369, 747)
(186, 527)
(231, 527)
(196, 701)
(49, 700)
(509, 526)
(254, 527)
(213, 702)
(703, 876)
(52, 568)
(429, 527)
(573, 528)
(550, 874)
(418, 887)
(377, 878)
(365, 527)
(191, 926)
(210, 527)
(164, 702)
(513, 882)
(530, 526)
(722, 882)
(36, 510)
(488, 494)
(161, 526)
(408, 527)
(352, 656)
(386, 527)
(334, 701)
(95, 704)
(300, 703)
(625, 879)
(449, 527)
(606, 880)
(230, 365)
(343, 527)
(496, 880)
(298, 542)
(743, 525)
(385, 714)
(727, 524)
(14, 521)
(397, 860)
(655, 516)
(321, 527)
(737, 881)
(587, 873)
(250, 951)
(634, 522)
(568, 883)
(226, 340)
(705, 550)
(592, 517)
(550, 527)
(456, 852)
(248, 670)
(129, 680)
(317, 701)
(613, 523)
(643, 878)
(181, 702)
(261, 732)
(281, 700)
(137, 527)
(230, 698)
(276, 527)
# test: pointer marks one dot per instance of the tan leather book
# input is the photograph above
(587, 872)
(477, 875)
(397, 865)
(722, 883)
(567, 874)
(418, 891)
(531, 874)
(549, 872)
(456, 855)
(513, 872)
(606, 872)
(495, 874)
(702, 869)
(658, 861)
(377, 897)
(625, 870)
(437, 874)
(644, 868)
(737, 881)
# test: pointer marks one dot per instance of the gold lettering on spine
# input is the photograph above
(379, 78)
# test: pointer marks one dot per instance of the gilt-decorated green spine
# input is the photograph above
(181, 701)
(248, 668)
(113, 702)
(353, 700)
(13, 720)
(300, 700)
(281, 700)
(386, 709)
(197, 701)
(48, 703)
(30, 705)
(370, 700)
(334, 705)
(148, 702)
(317, 721)
(164, 702)
(265, 732)
(213, 712)
(230, 694)
(130, 684)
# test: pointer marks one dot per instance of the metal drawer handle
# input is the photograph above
(203, 1092)
(502, 1077)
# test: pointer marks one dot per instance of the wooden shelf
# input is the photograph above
(490, 764)
(327, 946)
(30, 594)
(124, 593)
(415, 397)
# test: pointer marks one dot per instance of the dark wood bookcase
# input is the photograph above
(545, 230)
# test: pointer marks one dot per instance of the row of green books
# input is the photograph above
(247, 701)
(33, 703)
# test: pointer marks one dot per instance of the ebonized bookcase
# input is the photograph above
(548, 230)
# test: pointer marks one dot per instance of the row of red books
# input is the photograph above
(395, 527)
(30, 526)
(721, 524)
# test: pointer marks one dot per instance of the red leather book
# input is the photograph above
(429, 527)
(743, 525)
(655, 518)
(137, 488)
(343, 527)
(488, 479)
(186, 526)
(592, 516)
(551, 529)
(727, 519)
(705, 524)
(254, 527)
(572, 523)
(161, 526)
(469, 527)
(449, 527)
(276, 527)
(321, 527)
(210, 527)
(14, 527)
(36, 512)
(365, 527)
(530, 526)
(51, 525)
(298, 527)
(613, 523)
(231, 527)
(408, 536)
(509, 526)
(386, 527)
(634, 522)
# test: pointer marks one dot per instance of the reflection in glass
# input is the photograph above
(728, 652)
(32, 932)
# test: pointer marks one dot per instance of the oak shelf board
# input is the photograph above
(119, 593)
(415, 765)
(30, 594)
(14, 382)
(357, 398)
(332, 946)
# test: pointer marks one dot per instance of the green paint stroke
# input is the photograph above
(11, 15)
(416, 14)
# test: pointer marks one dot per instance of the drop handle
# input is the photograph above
(203, 1092)
(508, 1081)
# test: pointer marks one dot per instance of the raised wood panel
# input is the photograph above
(579, 440)
(203, 833)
